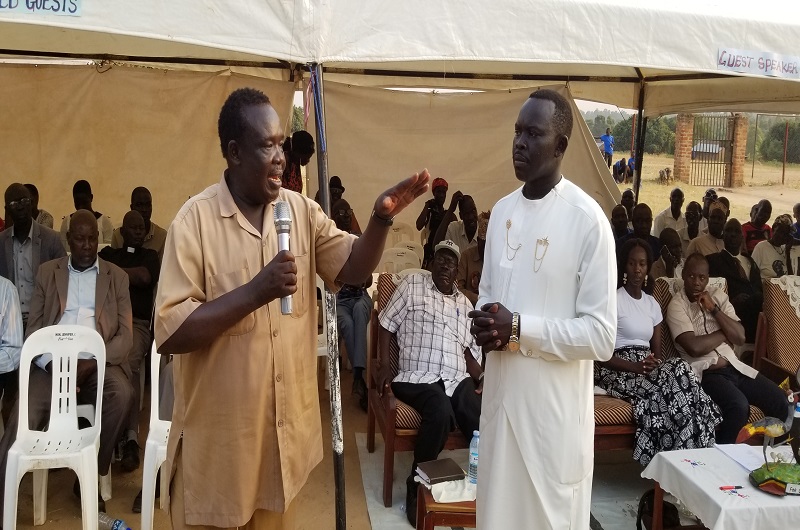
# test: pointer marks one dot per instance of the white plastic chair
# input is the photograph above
(413, 246)
(400, 232)
(395, 260)
(155, 450)
(63, 444)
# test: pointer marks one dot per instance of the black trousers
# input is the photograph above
(734, 392)
(440, 413)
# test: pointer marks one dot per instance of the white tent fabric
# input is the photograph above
(377, 137)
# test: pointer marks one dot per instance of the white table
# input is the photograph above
(695, 475)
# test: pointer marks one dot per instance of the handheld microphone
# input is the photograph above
(283, 224)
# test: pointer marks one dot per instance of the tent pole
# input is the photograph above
(641, 126)
(337, 436)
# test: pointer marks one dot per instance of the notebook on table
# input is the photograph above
(436, 471)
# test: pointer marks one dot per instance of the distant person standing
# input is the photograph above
(432, 214)
(608, 146)
(302, 149)
(40, 216)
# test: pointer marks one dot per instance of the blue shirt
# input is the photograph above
(608, 143)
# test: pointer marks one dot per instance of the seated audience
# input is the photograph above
(439, 364)
(709, 197)
(85, 290)
(711, 242)
(432, 215)
(142, 267)
(299, 154)
(619, 222)
(470, 266)
(670, 263)
(672, 216)
(42, 217)
(82, 198)
(757, 229)
(692, 229)
(353, 310)
(462, 232)
(796, 225)
(642, 223)
(727, 204)
(154, 237)
(705, 326)
(25, 246)
(670, 409)
(773, 255)
(628, 201)
(743, 278)
(10, 345)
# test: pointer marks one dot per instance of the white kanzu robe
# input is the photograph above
(537, 420)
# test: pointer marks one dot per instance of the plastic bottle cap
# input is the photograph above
(476, 433)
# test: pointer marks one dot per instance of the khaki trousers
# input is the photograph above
(261, 520)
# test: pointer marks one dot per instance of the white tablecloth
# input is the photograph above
(695, 475)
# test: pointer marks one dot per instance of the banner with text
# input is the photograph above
(759, 63)
(70, 8)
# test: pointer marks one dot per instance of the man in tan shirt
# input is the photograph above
(246, 425)
(470, 267)
(710, 242)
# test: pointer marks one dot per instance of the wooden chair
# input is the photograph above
(613, 418)
(397, 421)
(777, 352)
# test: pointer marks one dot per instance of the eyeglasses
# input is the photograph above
(19, 202)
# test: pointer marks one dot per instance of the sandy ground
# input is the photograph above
(765, 184)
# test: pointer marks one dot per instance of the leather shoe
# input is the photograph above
(76, 489)
(411, 501)
(360, 390)
(137, 503)
(130, 456)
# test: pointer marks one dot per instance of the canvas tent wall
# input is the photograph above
(663, 57)
(376, 137)
(118, 128)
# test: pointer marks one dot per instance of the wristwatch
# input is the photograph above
(513, 340)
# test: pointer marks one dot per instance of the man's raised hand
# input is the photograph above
(395, 199)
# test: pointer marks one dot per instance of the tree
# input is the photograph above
(297, 119)
(771, 147)
(623, 132)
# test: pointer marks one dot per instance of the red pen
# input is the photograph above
(726, 488)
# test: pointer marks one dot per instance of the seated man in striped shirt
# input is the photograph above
(439, 372)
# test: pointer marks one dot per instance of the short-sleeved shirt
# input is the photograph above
(705, 244)
(608, 143)
(636, 319)
(141, 295)
(246, 417)
(154, 239)
(470, 269)
(664, 219)
(753, 236)
(432, 332)
(458, 235)
(684, 316)
(771, 260)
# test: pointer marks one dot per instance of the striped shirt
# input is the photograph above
(432, 332)
(10, 327)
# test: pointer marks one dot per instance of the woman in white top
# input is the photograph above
(670, 409)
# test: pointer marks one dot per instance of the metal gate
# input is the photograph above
(712, 150)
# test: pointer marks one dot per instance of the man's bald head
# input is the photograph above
(82, 238)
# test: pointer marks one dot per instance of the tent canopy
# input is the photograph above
(607, 49)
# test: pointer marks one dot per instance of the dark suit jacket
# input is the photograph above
(112, 306)
(722, 264)
(46, 246)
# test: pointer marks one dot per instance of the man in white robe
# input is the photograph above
(549, 268)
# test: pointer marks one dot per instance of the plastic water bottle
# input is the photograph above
(107, 522)
(473, 457)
